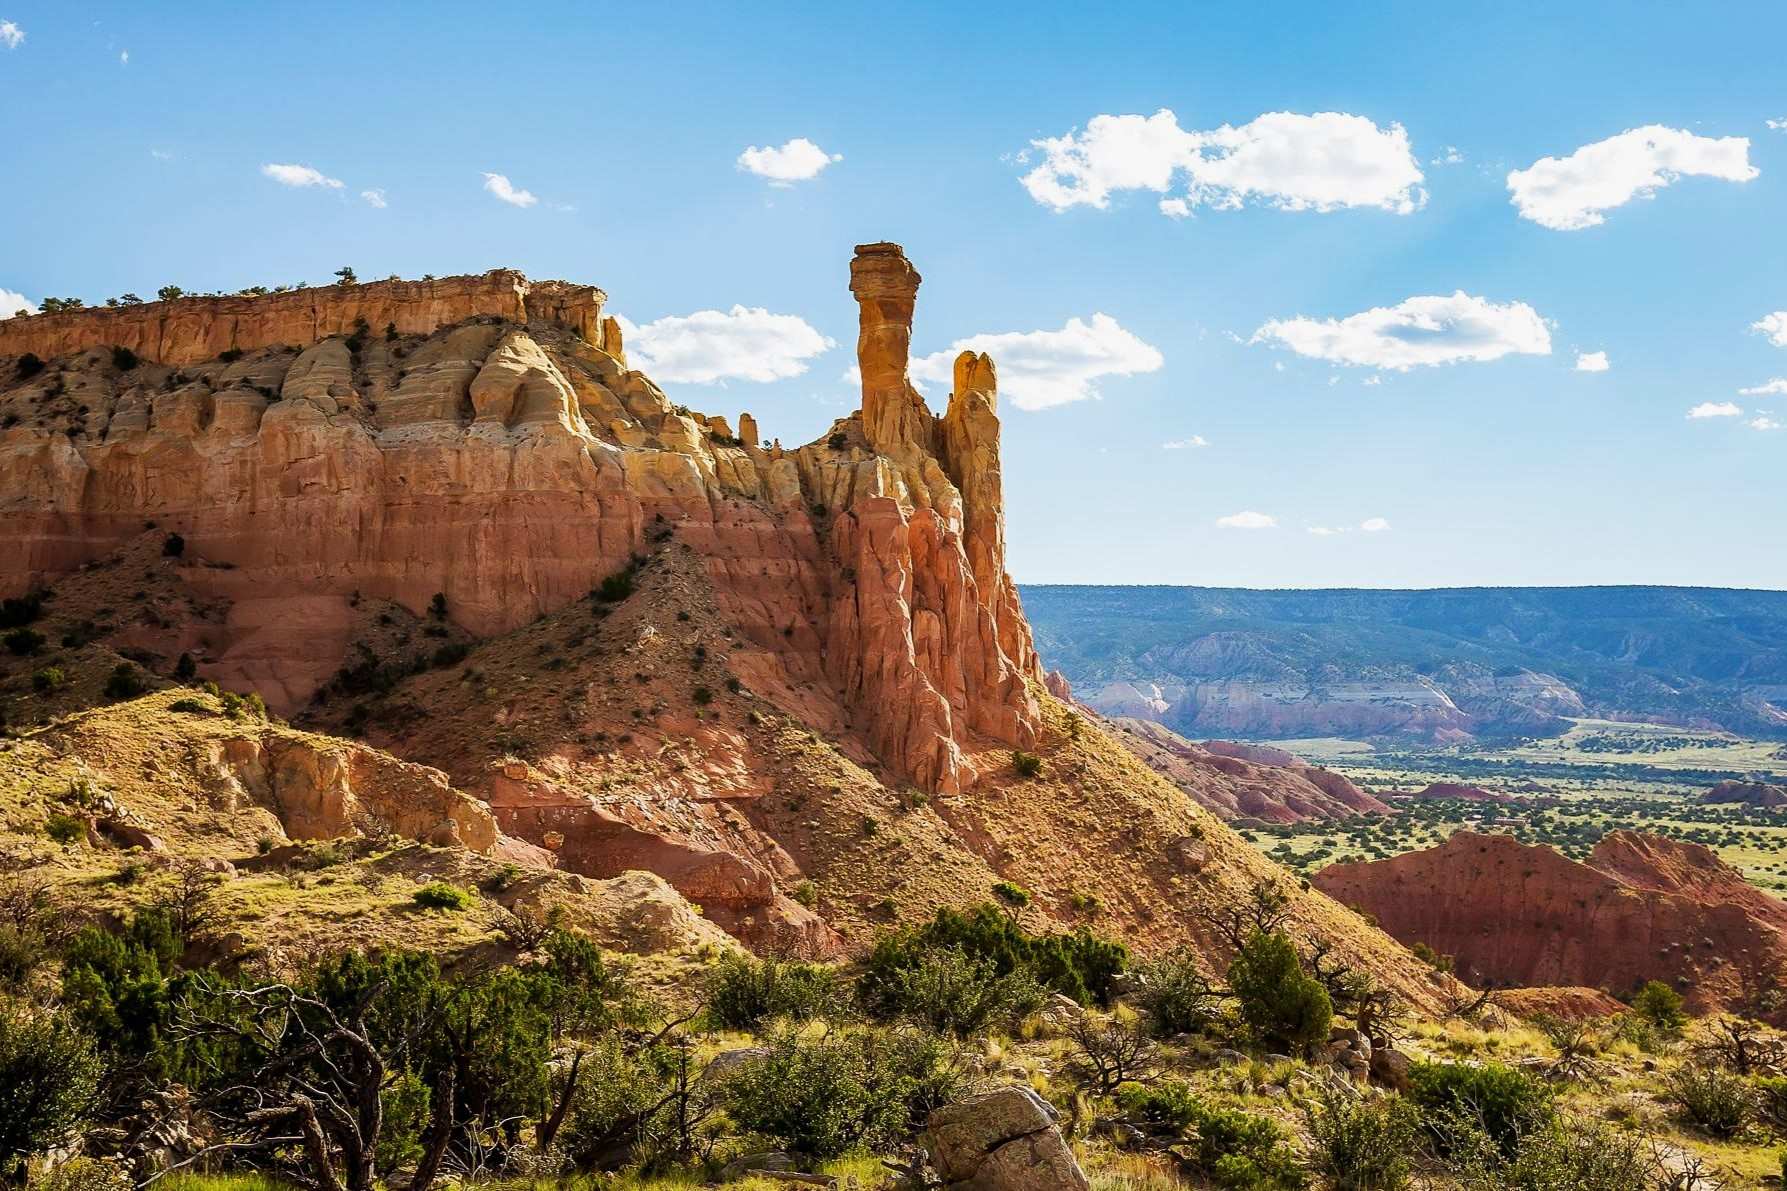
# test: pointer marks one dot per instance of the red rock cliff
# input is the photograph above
(1642, 908)
(483, 438)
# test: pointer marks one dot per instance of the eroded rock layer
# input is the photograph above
(1641, 908)
(482, 439)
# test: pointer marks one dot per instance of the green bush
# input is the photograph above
(1280, 1002)
(440, 895)
(125, 682)
(173, 546)
(1576, 1155)
(1175, 995)
(1715, 1101)
(948, 992)
(1025, 764)
(1771, 1101)
(1226, 1146)
(1012, 894)
(743, 993)
(1363, 1145)
(1660, 1007)
(123, 359)
(1078, 964)
(50, 1071)
(1456, 1101)
(24, 642)
(48, 679)
(64, 829)
(848, 1089)
(615, 587)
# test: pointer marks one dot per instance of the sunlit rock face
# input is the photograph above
(482, 438)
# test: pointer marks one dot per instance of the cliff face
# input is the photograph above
(1642, 908)
(193, 330)
(482, 438)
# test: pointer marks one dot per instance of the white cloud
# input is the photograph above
(1774, 326)
(14, 303)
(299, 175)
(123, 57)
(1570, 193)
(499, 185)
(1764, 422)
(1293, 162)
(745, 343)
(1039, 369)
(1716, 409)
(1183, 444)
(1592, 362)
(1417, 331)
(1768, 388)
(11, 36)
(1369, 525)
(375, 198)
(1247, 519)
(161, 155)
(796, 161)
(1450, 157)
(1778, 125)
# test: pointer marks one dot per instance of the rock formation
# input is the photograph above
(1761, 795)
(1641, 908)
(482, 438)
(1245, 782)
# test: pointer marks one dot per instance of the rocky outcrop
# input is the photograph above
(1762, 795)
(1642, 908)
(1007, 1140)
(192, 330)
(320, 789)
(481, 439)
(1249, 782)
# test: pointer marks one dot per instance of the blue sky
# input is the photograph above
(626, 126)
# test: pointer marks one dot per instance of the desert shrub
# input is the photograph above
(838, 441)
(825, 1096)
(50, 1071)
(1575, 1155)
(29, 365)
(1660, 1007)
(1175, 995)
(64, 829)
(1011, 894)
(18, 611)
(450, 654)
(1228, 1147)
(173, 546)
(1363, 1145)
(1280, 1002)
(230, 355)
(614, 1109)
(1457, 1101)
(403, 1101)
(441, 895)
(123, 359)
(615, 587)
(1025, 764)
(91, 1174)
(115, 988)
(805, 894)
(948, 992)
(1712, 1099)
(1771, 1101)
(1430, 957)
(703, 696)
(743, 993)
(186, 669)
(48, 679)
(23, 642)
(125, 682)
(1077, 964)
(437, 605)
(1109, 1052)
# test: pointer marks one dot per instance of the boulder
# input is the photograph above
(1007, 1140)
(1390, 1067)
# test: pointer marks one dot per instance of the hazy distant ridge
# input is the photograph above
(1430, 663)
